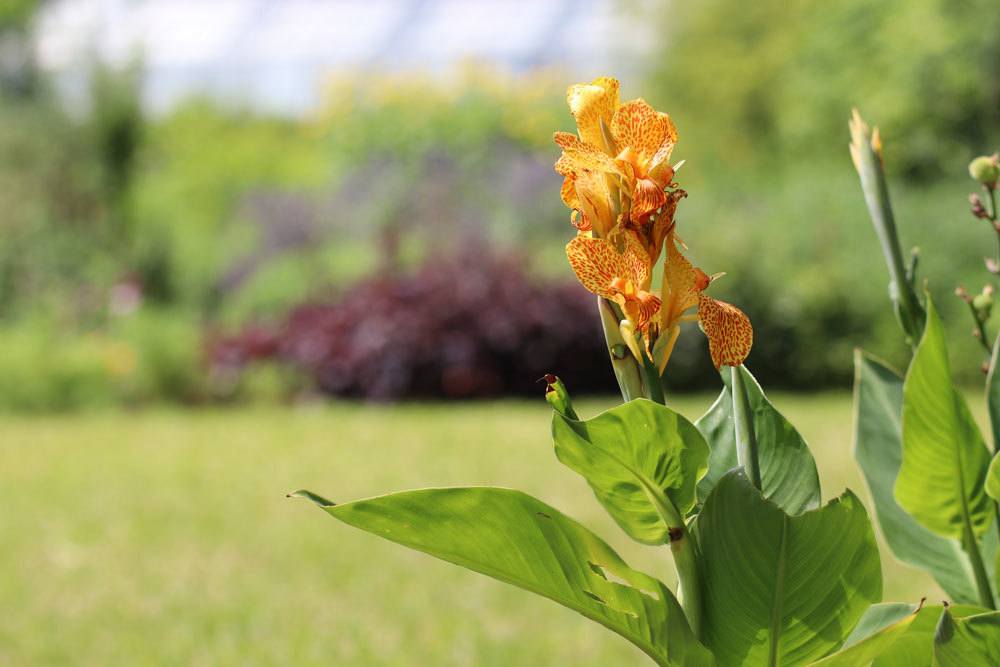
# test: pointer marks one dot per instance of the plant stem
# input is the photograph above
(980, 327)
(654, 385)
(689, 585)
(625, 366)
(869, 165)
(978, 568)
(685, 553)
(746, 436)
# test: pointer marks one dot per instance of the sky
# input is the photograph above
(273, 54)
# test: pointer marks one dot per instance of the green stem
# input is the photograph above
(654, 385)
(980, 327)
(625, 366)
(978, 568)
(689, 588)
(876, 191)
(685, 553)
(746, 436)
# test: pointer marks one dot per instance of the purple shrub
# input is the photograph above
(467, 325)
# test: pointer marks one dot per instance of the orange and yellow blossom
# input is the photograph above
(618, 182)
(629, 145)
(730, 335)
(619, 276)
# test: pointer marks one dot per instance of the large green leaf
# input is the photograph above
(520, 540)
(993, 479)
(780, 589)
(993, 394)
(940, 481)
(875, 634)
(964, 642)
(894, 635)
(788, 471)
(640, 459)
(878, 405)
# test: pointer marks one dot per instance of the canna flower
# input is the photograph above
(730, 335)
(619, 276)
(630, 145)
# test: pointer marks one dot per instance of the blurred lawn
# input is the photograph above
(165, 538)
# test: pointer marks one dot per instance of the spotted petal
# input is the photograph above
(730, 335)
(642, 128)
(578, 155)
(594, 201)
(647, 196)
(636, 262)
(590, 104)
(596, 263)
(682, 285)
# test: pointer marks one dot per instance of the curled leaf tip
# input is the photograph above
(314, 497)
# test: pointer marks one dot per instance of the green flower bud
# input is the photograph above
(982, 301)
(985, 169)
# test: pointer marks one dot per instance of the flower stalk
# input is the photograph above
(866, 152)
(623, 363)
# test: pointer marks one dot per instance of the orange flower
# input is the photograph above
(631, 145)
(728, 329)
(619, 276)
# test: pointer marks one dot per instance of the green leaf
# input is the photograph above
(878, 405)
(893, 635)
(879, 617)
(993, 394)
(520, 540)
(993, 479)
(962, 642)
(876, 634)
(780, 589)
(788, 471)
(636, 457)
(940, 481)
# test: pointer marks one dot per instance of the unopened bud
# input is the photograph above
(558, 397)
(992, 266)
(962, 294)
(986, 169)
(983, 303)
(976, 206)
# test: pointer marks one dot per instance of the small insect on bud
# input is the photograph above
(986, 169)
(976, 206)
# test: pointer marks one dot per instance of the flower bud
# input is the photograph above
(986, 170)
(976, 206)
(983, 303)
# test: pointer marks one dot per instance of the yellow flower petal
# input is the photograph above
(642, 128)
(582, 155)
(647, 196)
(597, 263)
(590, 104)
(637, 268)
(649, 306)
(730, 335)
(568, 192)
(594, 201)
(682, 285)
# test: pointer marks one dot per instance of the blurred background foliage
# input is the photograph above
(217, 253)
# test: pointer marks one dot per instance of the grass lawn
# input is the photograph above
(164, 538)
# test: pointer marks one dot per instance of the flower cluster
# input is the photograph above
(618, 181)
